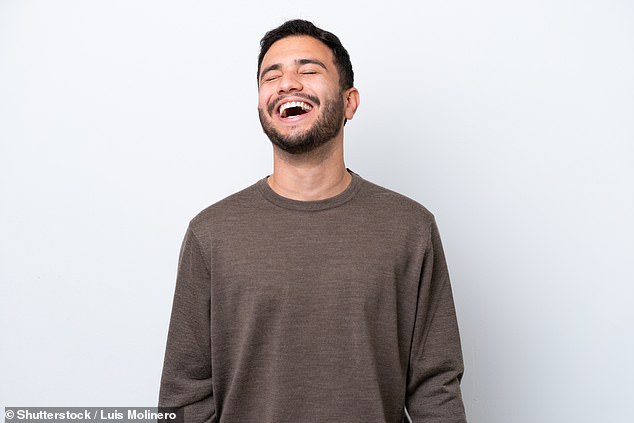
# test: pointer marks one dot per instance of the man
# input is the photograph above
(313, 295)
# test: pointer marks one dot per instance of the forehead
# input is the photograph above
(289, 49)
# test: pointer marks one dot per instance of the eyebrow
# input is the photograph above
(300, 62)
(310, 62)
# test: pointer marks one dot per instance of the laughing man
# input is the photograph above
(312, 295)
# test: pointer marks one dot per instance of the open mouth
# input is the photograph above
(294, 108)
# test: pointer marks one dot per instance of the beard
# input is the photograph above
(324, 129)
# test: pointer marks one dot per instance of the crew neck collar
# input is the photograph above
(327, 203)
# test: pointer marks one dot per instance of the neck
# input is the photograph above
(313, 176)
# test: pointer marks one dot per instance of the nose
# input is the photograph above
(290, 82)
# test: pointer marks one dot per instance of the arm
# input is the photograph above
(435, 369)
(186, 379)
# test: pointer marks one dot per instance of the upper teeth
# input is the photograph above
(290, 104)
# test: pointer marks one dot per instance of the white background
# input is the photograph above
(513, 121)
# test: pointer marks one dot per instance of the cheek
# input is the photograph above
(264, 97)
(261, 102)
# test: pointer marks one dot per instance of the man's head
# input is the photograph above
(305, 86)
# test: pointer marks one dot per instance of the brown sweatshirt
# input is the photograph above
(337, 310)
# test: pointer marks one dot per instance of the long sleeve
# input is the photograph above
(186, 379)
(433, 382)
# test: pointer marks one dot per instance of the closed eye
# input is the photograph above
(271, 78)
(308, 70)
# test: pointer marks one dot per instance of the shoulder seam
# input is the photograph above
(200, 248)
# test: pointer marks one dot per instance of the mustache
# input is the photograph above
(273, 105)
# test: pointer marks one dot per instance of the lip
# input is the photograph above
(311, 100)
(296, 118)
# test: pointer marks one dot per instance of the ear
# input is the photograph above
(351, 102)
